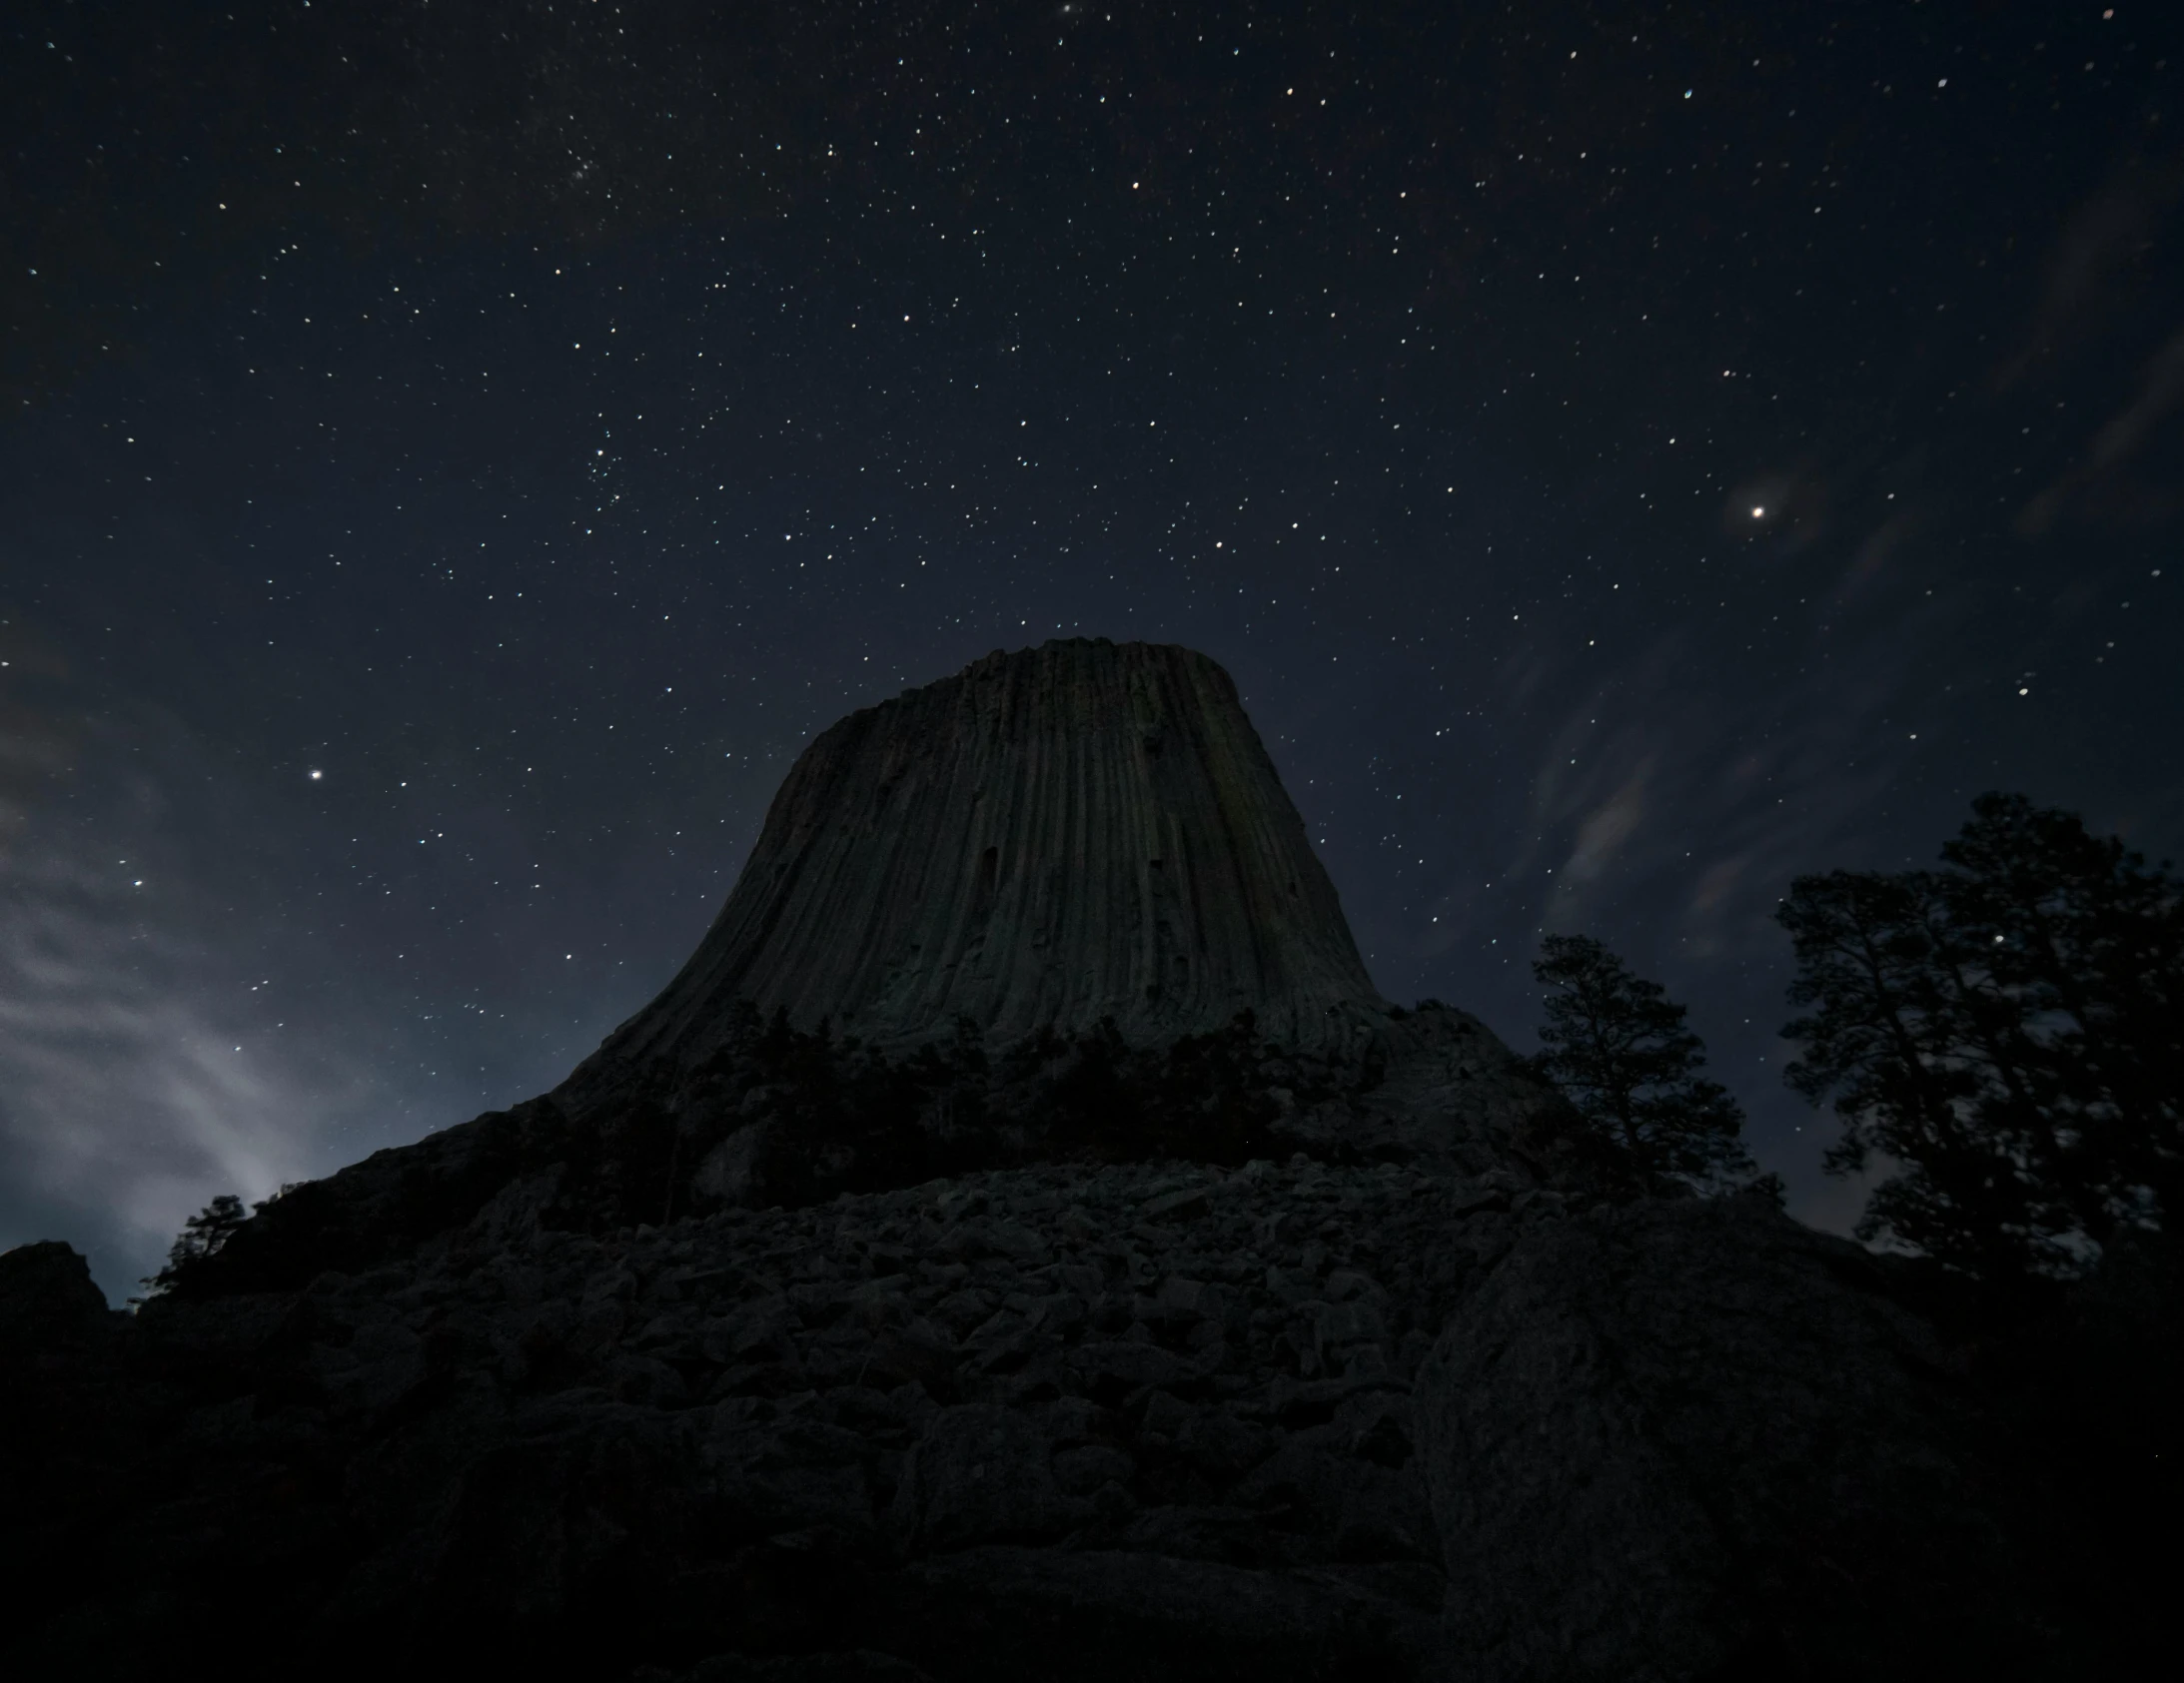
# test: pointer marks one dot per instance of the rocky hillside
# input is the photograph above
(1149, 1405)
(1284, 1422)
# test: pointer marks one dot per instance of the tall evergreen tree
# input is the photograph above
(2087, 943)
(1617, 1044)
(2006, 1030)
(1886, 1039)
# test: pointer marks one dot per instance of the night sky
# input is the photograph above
(454, 455)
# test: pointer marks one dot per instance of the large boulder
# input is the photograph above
(1693, 1439)
(47, 1297)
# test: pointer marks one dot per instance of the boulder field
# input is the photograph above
(1151, 1421)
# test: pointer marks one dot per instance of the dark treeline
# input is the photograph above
(781, 1115)
(2003, 1035)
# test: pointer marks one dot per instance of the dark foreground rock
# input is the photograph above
(1063, 1423)
(1057, 1423)
(1694, 1439)
(47, 1299)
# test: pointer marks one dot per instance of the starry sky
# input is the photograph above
(454, 455)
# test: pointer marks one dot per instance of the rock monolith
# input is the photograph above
(1051, 837)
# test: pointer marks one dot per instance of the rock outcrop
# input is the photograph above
(1081, 831)
(47, 1299)
(1695, 1439)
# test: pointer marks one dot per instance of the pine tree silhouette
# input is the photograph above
(2009, 1030)
(202, 1238)
(1617, 1045)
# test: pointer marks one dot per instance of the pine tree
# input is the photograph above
(1887, 1039)
(1618, 1046)
(2086, 943)
(2008, 1030)
(202, 1238)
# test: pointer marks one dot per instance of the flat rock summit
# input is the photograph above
(1021, 1243)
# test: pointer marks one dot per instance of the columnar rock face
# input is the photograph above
(1084, 830)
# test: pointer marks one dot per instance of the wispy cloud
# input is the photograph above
(130, 1087)
(144, 1066)
(2160, 392)
(2091, 261)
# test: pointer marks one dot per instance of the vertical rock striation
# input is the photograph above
(1048, 838)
